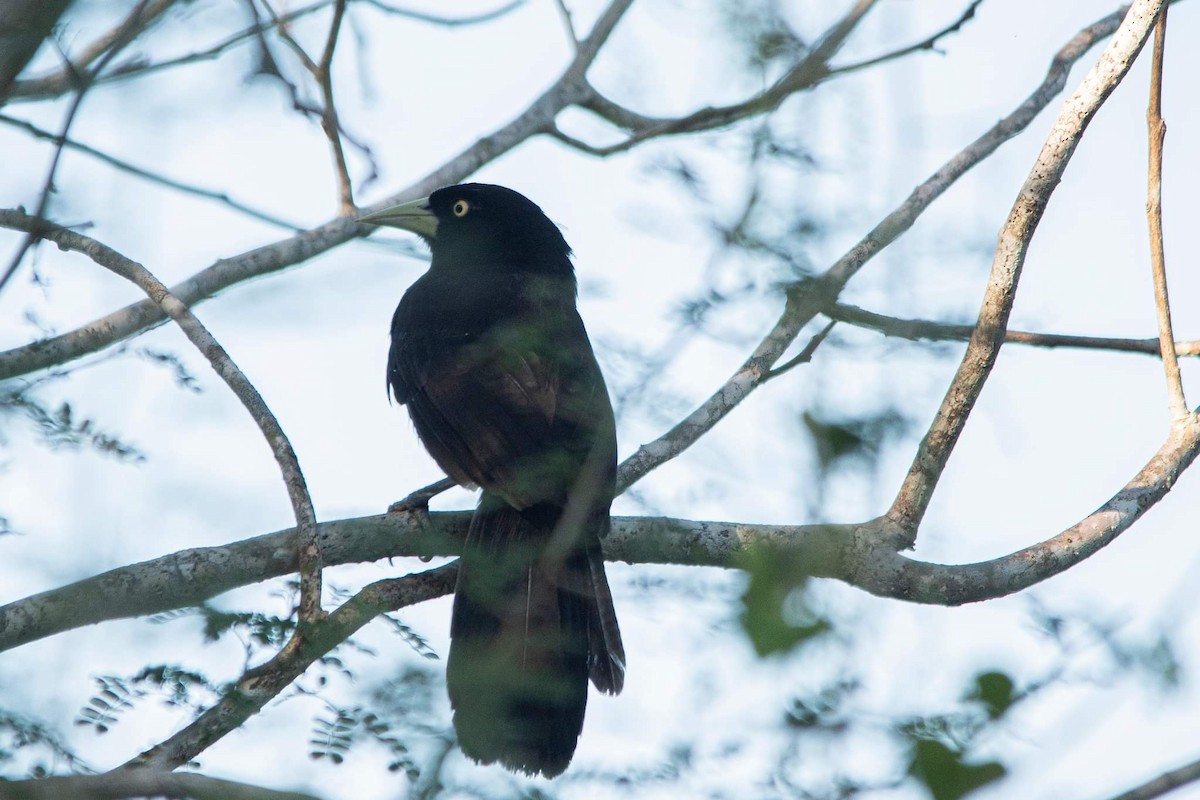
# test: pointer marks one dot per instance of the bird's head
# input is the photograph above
(481, 227)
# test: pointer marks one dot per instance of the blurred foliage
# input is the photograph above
(775, 614)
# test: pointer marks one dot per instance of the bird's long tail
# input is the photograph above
(526, 635)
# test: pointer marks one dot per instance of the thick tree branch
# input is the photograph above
(140, 783)
(920, 329)
(934, 451)
(810, 298)
(851, 553)
(1176, 401)
(259, 685)
(133, 319)
(222, 364)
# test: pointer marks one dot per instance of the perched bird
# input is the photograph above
(492, 360)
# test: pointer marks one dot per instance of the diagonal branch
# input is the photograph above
(1164, 784)
(1176, 401)
(259, 685)
(805, 74)
(810, 298)
(934, 451)
(930, 42)
(222, 364)
(135, 318)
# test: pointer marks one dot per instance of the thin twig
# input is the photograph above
(805, 355)
(449, 22)
(128, 321)
(916, 491)
(125, 33)
(1176, 401)
(921, 329)
(564, 14)
(223, 365)
(153, 177)
(105, 47)
(928, 43)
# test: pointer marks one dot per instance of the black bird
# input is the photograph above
(490, 356)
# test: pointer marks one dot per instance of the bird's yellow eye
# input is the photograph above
(460, 208)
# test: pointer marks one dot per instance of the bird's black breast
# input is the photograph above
(500, 380)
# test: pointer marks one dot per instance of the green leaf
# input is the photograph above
(945, 774)
(995, 691)
(775, 615)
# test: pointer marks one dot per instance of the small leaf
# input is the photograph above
(995, 691)
(942, 770)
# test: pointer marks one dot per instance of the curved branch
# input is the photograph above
(1164, 784)
(135, 318)
(934, 451)
(226, 369)
(259, 685)
(810, 298)
(851, 553)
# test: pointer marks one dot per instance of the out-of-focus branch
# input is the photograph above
(24, 25)
(138, 317)
(105, 47)
(259, 685)
(124, 34)
(809, 298)
(145, 174)
(222, 364)
(934, 451)
(140, 783)
(920, 329)
(930, 43)
(856, 554)
(808, 72)
(1176, 401)
(1163, 784)
(322, 72)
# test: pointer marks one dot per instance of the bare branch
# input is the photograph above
(420, 498)
(805, 355)
(1163, 784)
(222, 364)
(24, 25)
(809, 298)
(928, 43)
(1176, 401)
(105, 48)
(856, 554)
(564, 14)
(138, 317)
(146, 174)
(259, 685)
(934, 451)
(83, 81)
(140, 783)
(450, 22)
(807, 73)
(917, 329)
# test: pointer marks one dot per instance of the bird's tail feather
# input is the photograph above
(525, 637)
